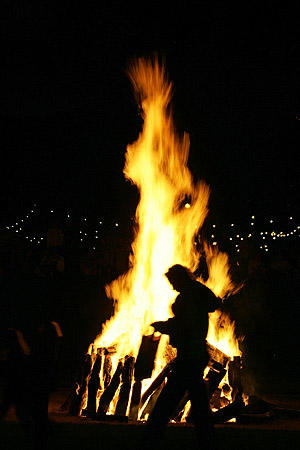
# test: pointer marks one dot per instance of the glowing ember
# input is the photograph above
(166, 226)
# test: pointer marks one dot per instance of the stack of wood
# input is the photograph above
(96, 376)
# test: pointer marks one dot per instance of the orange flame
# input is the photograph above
(157, 164)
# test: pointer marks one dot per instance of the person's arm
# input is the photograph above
(164, 327)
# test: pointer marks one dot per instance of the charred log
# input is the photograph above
(107, 369)
(217, 355)
(146, 357)
(127, 376)
(214, 377)
(157, 382)
(135, 400)
(109, 392)
(93, 386)
(229, 412)
(234, 377)
(153, 399)
(143, 369)
(80, 386)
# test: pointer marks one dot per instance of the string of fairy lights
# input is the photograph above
(263, 238)
(20, 228)
(84, 232)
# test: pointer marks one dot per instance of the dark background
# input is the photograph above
(68, 110)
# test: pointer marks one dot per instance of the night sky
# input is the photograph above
(68, 110)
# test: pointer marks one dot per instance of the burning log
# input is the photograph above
(214, 377)
(153, 399)
(80, 386)
(157, 382)
(109, 392)
(107, 369)
(145, 360)
(143, 369)
(93, 386)
(135, 400)
(127, 376)
(217, 355)
(229, 412)
(234, 377)
(212, 380)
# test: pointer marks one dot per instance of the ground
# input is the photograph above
(278, 430)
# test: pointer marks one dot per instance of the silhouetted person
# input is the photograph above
(187, 330)
(14, 379)
(54, 239)
(43, 372)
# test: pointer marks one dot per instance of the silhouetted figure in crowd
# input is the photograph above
(14, 378)
(54, 240)
(44, 359)
(187, 330)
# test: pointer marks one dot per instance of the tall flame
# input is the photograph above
(165, 229)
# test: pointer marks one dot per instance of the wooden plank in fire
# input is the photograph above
(157, 382)
(109, 392)
(127, 376)
(146, 357)
(212, 380)
(217, 355)
(93, 385)
(80, 386)
(143, 368)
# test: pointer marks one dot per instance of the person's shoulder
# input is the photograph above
(206, 296)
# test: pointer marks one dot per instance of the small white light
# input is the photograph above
(252, 217)
(117, 224)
